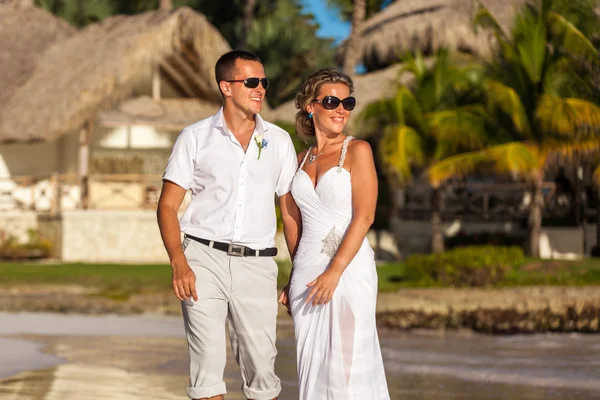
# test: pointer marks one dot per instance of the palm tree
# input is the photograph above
(533, 95)
(441, 114)
(248, 18)
(355, 11)
(359, 13)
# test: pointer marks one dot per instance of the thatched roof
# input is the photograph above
(426, 25)
(367, 88)
(165, 114)
(98, 67)
(25, 32)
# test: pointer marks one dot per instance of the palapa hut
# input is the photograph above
(427, 25)
(108, 99)
(407, 26)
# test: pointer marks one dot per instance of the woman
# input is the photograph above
(333, 286)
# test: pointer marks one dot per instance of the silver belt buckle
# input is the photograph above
(235, 250)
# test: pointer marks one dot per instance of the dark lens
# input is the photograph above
(251, 82)
(265, 82)
(349, 103)
(330, 102)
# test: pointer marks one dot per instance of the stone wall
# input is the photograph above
(17, 223)
(133, 236)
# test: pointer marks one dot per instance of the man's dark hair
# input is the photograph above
(226, 64)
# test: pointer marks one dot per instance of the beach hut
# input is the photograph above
(427, 25)
(88, 118)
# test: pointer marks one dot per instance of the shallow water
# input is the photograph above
(47, 356)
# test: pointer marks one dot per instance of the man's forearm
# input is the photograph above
(170, 229)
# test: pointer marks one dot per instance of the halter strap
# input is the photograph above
(343, 155)
(305, 157)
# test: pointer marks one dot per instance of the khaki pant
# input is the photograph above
(242, 291)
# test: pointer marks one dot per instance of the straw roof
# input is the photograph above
(99, 66)
(165, 114)
(367, 88)
(26, 32)
(426, 25)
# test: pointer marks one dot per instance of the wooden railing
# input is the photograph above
(60, 192)
(469, 201)
(489, 202)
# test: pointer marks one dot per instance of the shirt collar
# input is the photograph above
(218, 122)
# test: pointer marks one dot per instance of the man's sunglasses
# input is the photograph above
(332, 102)
(252, 83)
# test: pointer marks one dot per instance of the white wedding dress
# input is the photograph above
(339, 357)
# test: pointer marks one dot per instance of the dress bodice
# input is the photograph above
(327, 207)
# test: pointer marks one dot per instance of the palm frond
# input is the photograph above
(508, 101)
(567, 117)
(456, 166)
(570, 38)
(570, 149)
(380, 110)
(531, 46)
(486, 20)
(596, 176)
(513, 158)
(401, 148)
(462, 127)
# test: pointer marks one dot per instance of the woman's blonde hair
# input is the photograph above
(308, 92)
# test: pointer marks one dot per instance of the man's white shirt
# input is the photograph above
(232, 190)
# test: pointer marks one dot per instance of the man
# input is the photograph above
(233, 162)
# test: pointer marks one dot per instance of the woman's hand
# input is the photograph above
(284, 298)
(323, 287)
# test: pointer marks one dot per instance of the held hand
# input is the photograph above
(284, 298)
(184, 280)
(323, 287)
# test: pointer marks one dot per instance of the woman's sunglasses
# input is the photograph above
(332, 102)
(252, 83)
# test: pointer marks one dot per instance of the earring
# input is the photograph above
(309, 115)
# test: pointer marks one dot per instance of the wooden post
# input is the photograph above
(84, 162)
(55, 193)
(155, 82)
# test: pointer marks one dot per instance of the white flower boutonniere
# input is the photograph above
(261, 142)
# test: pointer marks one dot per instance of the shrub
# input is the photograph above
(35, 247)
(465, 266)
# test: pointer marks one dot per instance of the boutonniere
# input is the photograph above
(261, 142)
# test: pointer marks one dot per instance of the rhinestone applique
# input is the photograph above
(331, 242)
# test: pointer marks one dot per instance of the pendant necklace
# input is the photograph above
(312, 158)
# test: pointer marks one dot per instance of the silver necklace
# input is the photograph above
(312, 158)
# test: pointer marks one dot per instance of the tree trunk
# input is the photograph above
(535, 215)
(596, 249)
(437, 236)
(248, 17)
(165, 5)
(351, 56)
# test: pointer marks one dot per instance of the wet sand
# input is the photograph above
(72, 357)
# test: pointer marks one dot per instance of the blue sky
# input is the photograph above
(331, 25)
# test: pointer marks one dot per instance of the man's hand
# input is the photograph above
(184, 280)
(284, 298)
(323, 287)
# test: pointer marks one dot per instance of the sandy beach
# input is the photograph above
(73, 357)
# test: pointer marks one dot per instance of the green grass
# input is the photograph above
(393, 276)
(119, 281)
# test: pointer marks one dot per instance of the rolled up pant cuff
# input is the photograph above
(202, 392)
(261, 394)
